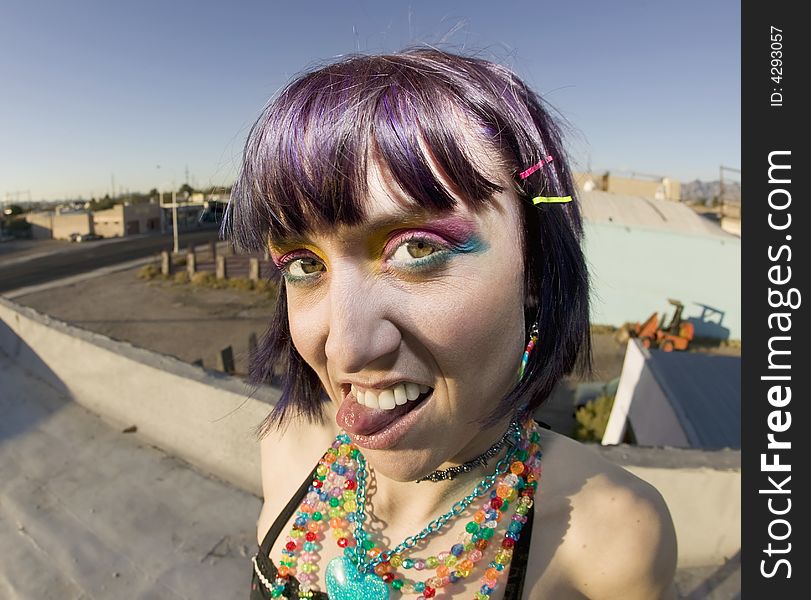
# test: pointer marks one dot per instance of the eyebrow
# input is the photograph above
(403, 216)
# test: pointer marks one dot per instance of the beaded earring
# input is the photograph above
(533, 338)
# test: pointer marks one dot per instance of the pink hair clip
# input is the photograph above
(535, 167)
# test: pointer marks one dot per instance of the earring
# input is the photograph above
(533, 338)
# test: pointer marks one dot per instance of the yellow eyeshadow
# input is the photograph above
(282, 249)
(377, 240)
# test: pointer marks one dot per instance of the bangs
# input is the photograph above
(308, 158)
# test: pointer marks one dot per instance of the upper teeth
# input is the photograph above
(390, 397)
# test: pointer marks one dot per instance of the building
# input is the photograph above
(642, 251)
(731, 217)
(59, 224)
(658, 188)
(128, 219)
(677, 399)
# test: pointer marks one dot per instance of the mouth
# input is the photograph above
(389, 398)
(378, 418)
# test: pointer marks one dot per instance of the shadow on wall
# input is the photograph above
(709, 324)
(20, 384)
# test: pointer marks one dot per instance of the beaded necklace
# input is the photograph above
(335, 502)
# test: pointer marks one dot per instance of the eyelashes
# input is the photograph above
(415, 252)
(299, 266)
(412, 252)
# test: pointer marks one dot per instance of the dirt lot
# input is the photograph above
(185, 321)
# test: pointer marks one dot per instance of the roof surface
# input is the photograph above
(705, 392)
(635, 211)
(87, 511)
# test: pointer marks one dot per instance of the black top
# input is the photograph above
(515, 579)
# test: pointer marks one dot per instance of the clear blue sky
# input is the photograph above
(140, 91)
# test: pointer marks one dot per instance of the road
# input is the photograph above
(94, 255)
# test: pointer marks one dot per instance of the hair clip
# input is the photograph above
(535, 167)
(551, 199)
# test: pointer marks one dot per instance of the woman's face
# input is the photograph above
(407, 304)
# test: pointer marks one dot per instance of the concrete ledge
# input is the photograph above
(728, 459)
(180, 408)
(209, 420)
(702, 489)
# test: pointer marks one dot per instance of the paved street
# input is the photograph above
(88, 256)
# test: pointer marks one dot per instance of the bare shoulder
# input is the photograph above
(612, 534)
(287, 457)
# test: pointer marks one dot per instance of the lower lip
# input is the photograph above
(393, 433)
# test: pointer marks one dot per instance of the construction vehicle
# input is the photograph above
(653, 333)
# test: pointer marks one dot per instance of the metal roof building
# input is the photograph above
(679, 399)
(642, 251)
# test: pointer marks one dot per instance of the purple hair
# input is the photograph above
(305, 167)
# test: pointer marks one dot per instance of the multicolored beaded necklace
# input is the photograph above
(335, 501)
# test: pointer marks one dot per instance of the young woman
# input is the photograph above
(421, 211)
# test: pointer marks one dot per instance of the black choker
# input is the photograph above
(510, 437)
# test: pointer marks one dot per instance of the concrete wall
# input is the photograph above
(127, 219)
(662, 189)
(147, 217)
(75, 222)
(41, 225)
(109, 222)
(731, 225)
(634, 271)
(208, 420)
(702, 490)
(58, 226)
(180, 408)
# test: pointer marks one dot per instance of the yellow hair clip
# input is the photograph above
(551, 199)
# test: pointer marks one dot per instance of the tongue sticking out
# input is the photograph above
(361, 420)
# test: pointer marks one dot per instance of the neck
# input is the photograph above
(407, 502)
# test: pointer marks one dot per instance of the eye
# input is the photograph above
(418, 252)
(301, 267)
(412, 249)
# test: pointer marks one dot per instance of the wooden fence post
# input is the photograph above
(166, 263)
(252, 344)
(225, 360)
(221, 271)
(191, 261)
(253, 269)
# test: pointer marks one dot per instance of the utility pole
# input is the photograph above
(722, 168)
(174, 222)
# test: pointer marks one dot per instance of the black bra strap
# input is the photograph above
(278, 525)
(518, 565)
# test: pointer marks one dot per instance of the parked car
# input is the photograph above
(74, 237)
(87, 237)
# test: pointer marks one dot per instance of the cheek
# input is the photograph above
(473, 325)
(304, 333)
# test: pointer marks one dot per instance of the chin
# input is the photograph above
(401, 465)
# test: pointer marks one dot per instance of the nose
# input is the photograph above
(361, 334)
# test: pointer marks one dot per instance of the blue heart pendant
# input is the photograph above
(344, 582)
